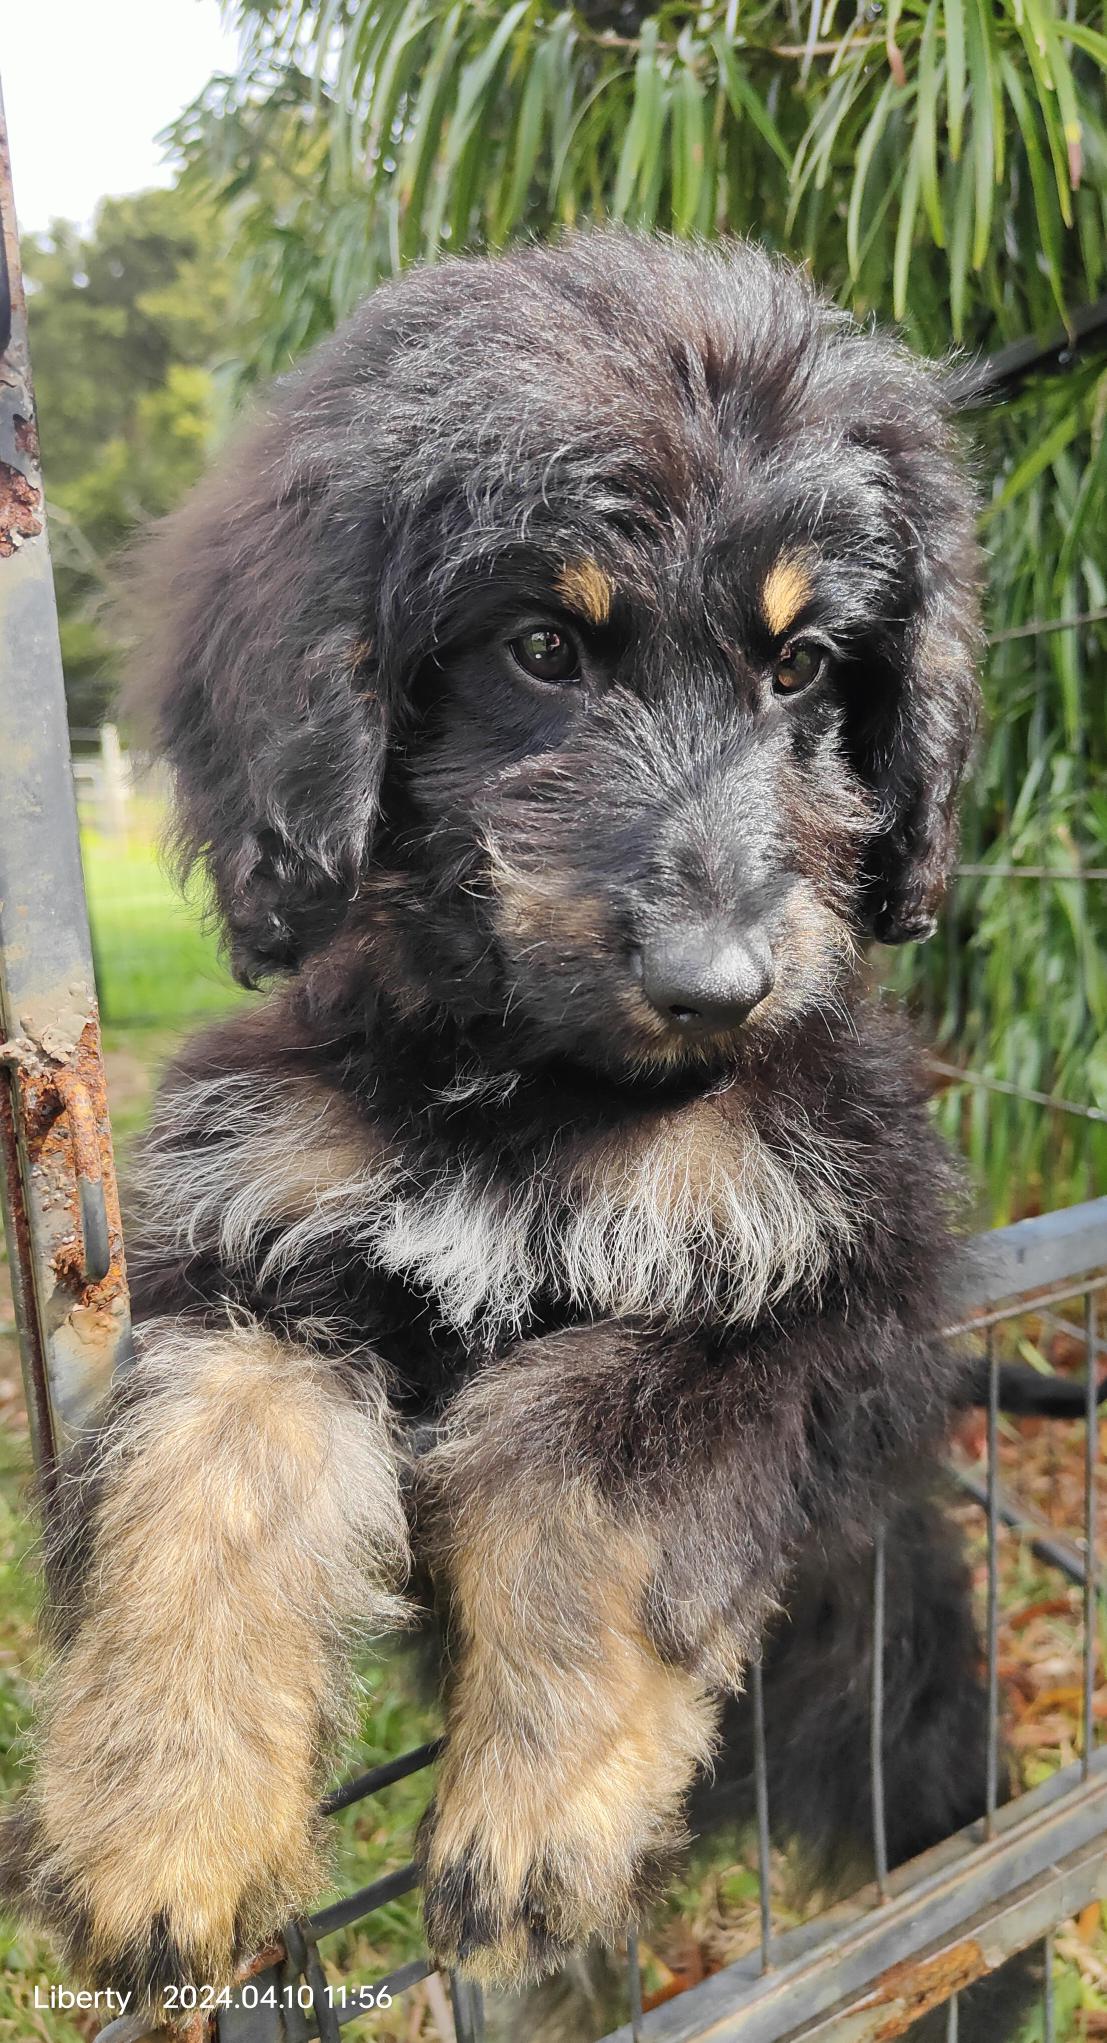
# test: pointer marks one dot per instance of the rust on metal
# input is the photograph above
(20, 509)
(911, 1989)
(58, 1183)
(62, 1116)
(269, 1955)
(68, 1135)
(26, 439)
(83, 1131)
(19, 1267)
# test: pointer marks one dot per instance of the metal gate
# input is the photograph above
(917, 1936)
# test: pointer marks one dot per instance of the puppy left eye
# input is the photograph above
(546, 654)
(798, 665)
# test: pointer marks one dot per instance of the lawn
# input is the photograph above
(156, 960)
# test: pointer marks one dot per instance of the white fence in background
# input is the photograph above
(110, 780)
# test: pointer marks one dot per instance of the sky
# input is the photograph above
(88, 84)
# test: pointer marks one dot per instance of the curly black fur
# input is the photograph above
(662, 1283)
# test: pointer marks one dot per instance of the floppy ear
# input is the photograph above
(258, 671)
(914, 704)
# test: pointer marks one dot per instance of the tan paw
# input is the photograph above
(144, 1930)
(529, 1852)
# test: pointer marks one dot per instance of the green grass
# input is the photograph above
(156, 960)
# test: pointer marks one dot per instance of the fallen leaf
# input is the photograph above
(1088, 1921)
(1046, 1606)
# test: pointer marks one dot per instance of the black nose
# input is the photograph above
(702, 980)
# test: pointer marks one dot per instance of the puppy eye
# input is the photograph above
(546, 654)
(798, 665)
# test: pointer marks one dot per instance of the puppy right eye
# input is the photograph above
(546, 654)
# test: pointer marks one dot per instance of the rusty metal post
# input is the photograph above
(61, 1212)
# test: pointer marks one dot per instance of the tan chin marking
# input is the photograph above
(532, 908)
(584, 586)
(787, 587)
(249, 1520)
(571, 1744)
(817, 954)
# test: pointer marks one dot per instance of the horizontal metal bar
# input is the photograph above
(1037, 627)
(383, 1776)
(1049, 1249)
(341, 1913)
(1038, 1301)
(983, 1942)
(1004, 371)
(1064, 1325)
(129, 2029)
(1031, 872)
(960, 1076)
(398, 1981)
(1047, 1545)
(359, 2001)
(1044, 1862)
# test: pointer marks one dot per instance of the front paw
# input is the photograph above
(526, 1855)
(157, 1934)
(506, 1910)
(509, 1917)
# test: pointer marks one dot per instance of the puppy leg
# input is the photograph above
(241, 1517)
(572, 1736)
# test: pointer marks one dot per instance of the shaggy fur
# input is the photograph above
(239, 1513)
(817, 1674)
(663, 1290)
(543, 1856)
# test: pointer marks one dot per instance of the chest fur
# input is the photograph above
(692, 1214)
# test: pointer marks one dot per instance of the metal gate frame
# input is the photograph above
(60, 1204)
(864, 1970)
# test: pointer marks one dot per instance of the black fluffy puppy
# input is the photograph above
(571, 668)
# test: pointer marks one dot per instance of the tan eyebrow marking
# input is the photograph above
(586, 588)
(788, 586)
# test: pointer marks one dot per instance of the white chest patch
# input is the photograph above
(690, 1220)
(691, 1213)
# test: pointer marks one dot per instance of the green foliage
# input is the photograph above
(942, 162)
(905, 150)
(124, 325)
(1015, 988)
(157, 959)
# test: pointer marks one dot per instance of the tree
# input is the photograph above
(125, 324)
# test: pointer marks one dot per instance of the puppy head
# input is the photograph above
(616, 599)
